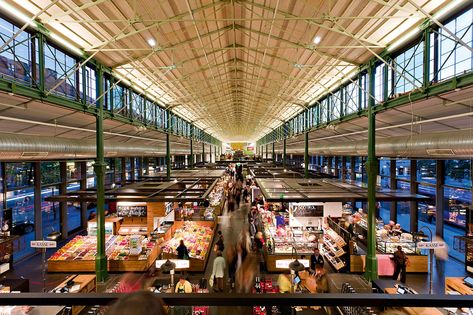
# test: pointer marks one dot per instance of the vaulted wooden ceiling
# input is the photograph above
(235, 68)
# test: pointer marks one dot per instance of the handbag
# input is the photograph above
(211, 281)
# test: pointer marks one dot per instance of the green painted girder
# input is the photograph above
(35, 94)
(420, 94)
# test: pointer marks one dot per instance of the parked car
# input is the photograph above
(22, 227)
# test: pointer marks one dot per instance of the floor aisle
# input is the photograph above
(231, 225)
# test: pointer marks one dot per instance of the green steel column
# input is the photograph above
(273, 156)
(306, 155)
(426, 61)
(284, 152)
(41, 64)
(210, 153)
(191, 158)
(168, 153)
(371, 168)
(99, 168)
(203, 152)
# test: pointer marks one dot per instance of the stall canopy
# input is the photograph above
(180, 190)
(202, 173)
(263, 171)
(325, 190)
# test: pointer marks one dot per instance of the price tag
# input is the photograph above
(43, 244)
(430, 245)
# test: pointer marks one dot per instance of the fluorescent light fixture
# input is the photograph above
(66, 44)
(452, 5)
(152, 42)
(317, 40)
(18, 14)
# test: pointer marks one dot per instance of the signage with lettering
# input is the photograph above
(308, 210)
(430, 245)
(180, 263)
(43, 244)
(284, 263)
(131, 210)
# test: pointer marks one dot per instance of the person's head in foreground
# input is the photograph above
(138, 303)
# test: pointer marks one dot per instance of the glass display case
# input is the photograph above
(285, 245)
(389, 247)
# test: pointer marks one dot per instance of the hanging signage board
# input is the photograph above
(430, 245)
(43, 244)
(130, 210)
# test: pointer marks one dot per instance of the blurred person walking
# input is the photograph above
(218, 272)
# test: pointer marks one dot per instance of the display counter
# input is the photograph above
(6, 252)
(81, 284)
(78, 255)
(386, 245)
(287, 247)
(112, 226)
(418, 264)
(415, 310)
(457, 285)
(198, 237)
(164, 232)
(217, 196)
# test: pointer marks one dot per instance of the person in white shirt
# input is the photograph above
(218, 271)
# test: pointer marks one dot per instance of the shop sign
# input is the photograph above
(131, 210)
(284, 263)
(431, 245)
(180, 263)
(43, 244)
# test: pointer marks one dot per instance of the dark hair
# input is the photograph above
(399, 247)
(219, 232)
(138, 303)
(219, 253)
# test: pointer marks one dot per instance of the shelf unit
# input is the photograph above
(333, 248)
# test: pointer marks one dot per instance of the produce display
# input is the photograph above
(117, 247)
(196, 237)
(216, 196)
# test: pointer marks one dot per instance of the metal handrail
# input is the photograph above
(213, 299)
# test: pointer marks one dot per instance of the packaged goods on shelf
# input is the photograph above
(333, 248)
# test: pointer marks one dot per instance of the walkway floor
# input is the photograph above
(231, 224)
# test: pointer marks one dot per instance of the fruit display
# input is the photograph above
(196, 237)
(117, 247)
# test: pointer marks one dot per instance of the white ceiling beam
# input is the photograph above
(177, 17)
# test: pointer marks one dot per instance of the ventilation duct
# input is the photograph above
(441, 145)
(26, 147)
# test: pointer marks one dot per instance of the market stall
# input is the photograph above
(197, 236)
(286, 235)
(144, 219)
(312, 208)
(124, 254)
